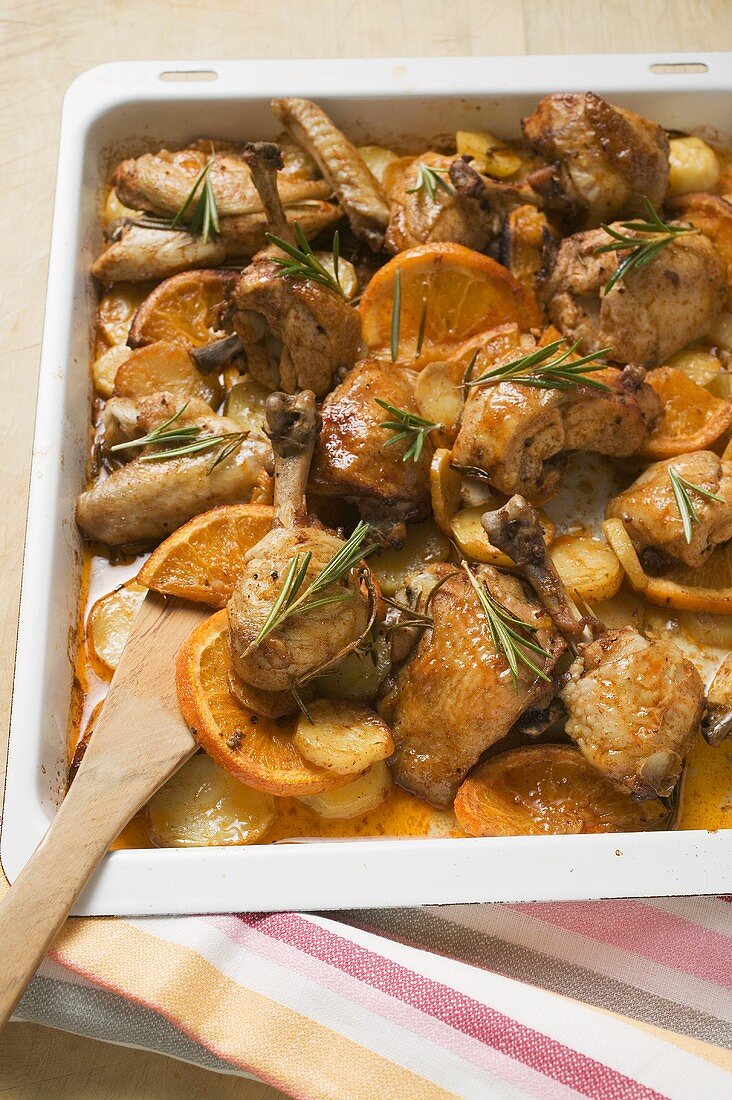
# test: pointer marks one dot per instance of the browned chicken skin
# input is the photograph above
(142, 502)
(454, 696)
(651, 515)
(313, 639)
(352, 459)
(602, 159)
(651, 312)
(519, 435)
(296, 333)
(418, 218)
(358, 192)
(633, 704)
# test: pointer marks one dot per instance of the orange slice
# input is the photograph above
(692, 419)
(202, 559)
(466, 294)
(549, 789)
(257, 750)
(185, 309)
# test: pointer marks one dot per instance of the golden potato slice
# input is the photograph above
(473, 542)
(245, 404)
(358, 676)
(587, 567)
(438, 397)
(356, 798)
(549, 789)
(109, 624)
(445, 486)
(692, 166)
(204, 805)
(342, 736)
(376, 158)
(699, 363)
(490, 152)
(116, 311)
(424, 543)
(166, 367)
(707, 629)
(624, 550)
(105, 367)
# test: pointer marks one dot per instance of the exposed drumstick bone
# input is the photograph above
(292, 426)
(515, 529)
(265, 160)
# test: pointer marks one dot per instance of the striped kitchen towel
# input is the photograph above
(614, 1000)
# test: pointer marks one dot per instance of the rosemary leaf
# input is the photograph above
(682, 489)
(428, 180)
(540, 370)
(406, 426)
(205, 220)
(302, 262)
(655, 235)
(396, 315)
(422, 324)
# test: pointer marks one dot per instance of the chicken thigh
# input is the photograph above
(602, 159)
(520, 435)
(651, 515)
(634, 704)
(438, 212)
(454, 697)
(354, 458)
(651, 312)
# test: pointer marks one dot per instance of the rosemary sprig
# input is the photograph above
(409, 617)
(230, 441)
(422, 325)
(304, 264)
(429, 179)
(406, 425)
(504, 630)
(396, 315)
(656, 234)
(687, 509)
(205, 220)
(540, 370)
(164, 433)
(291, 601)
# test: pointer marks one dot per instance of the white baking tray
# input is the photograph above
(124, 108)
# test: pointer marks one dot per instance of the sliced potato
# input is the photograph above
(491, 154)
(116, 311)
(587, 567)
(105, 367)
(245, 404)
(699, 363)
(376, 159)
(342, 736)
(620, 541)
(692, 166)
(358, 676)
(355, 798)
(204, 805)
(473, 542)
(549, 789)
(166, 367)
(424, 543)
(445, 485)
(438, 397)
(707, 629)
(109, 624)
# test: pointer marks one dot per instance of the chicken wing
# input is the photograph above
(144, 501)
(520, 436)
(317, 637)
(358, 191)
(602, 159)
(354, 458)
(454, 696)
(296, 333)
(634, 704)
(652, 518)
(651, 312)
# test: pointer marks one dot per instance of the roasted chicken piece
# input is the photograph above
(633, 704)
(454, 697)
(426, 206)
(520, 436)
(143, 501)
(137, 252)
(602, 159)
(309, 641)
(296, 333)
(358, 191)
(651, 312)
(354, 457)
(651, 515)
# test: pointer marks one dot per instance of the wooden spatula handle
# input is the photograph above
(139, 740)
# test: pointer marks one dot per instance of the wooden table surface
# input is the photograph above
(43, 46)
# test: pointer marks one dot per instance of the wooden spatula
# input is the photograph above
(139, 740)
